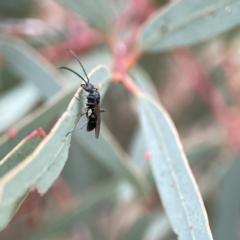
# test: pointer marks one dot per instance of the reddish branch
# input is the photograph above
(38, 132)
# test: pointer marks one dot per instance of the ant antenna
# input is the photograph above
(79, 62)
(66, 68)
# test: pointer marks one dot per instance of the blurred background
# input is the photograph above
(199, 86)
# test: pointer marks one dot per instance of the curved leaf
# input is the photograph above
(188, 22)
(143, 81)
(15, 157)
(105, 191)
(23, 98)
(97, 13)
(51, 110)
(175, 183)
(43, 166)
(26, 63)
(40, 117)
(110, 154)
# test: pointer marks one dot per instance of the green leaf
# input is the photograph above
(108, 152)
(175, 183)
(27, 64)
(137, 229)
(143, 81)
(96, 195)
(188, 22)
(40, 118)
(12, 160)
(51, 110)
(137, 149)
(42, 167)
(98, 13)
(227, 205)
(23, 97)
(23, 8)
(82, 172)
(116, 160)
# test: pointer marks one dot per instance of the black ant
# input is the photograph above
(93, 100)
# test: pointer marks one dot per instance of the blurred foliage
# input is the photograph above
(134, 181)
(16, 9)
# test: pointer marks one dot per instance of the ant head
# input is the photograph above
(88, 87)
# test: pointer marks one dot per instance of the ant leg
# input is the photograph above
(83, 125)
(79, 99)
(83, 113)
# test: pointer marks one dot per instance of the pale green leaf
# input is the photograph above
(50, 111)
(95, 195)
(43, 166)
(98, 13)
(39, 118)
(14, 158)
(143, 81)
(137, 229)
(227, 206)
(175, 183)
(188, 22)
(108, 152)
(23, 97)
(26, 63)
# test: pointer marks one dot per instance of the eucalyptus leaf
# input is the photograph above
(42, 167)
(9, 9)
(175, 183)
(227, 206)
(137, 149)
(12, 160)
(41, 117)
(137, 229)
(188, 22)
(96, 195)
(98, 13)
(108, 152)
(143, 80)
(106, 149)
(29, 66)
(82, 169)
(16, 103)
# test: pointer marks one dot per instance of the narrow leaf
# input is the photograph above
(112, 156)
(23, 97)
(14, 158)
(143, 81)
(137, 228)
(43, 166)
(96, 195)
(27, 64)
(40, 117)
(188, 22)
(227, 204)
(175, 182)
(98, 13)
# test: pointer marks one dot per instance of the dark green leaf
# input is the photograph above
(98, 13)
(188, 22)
